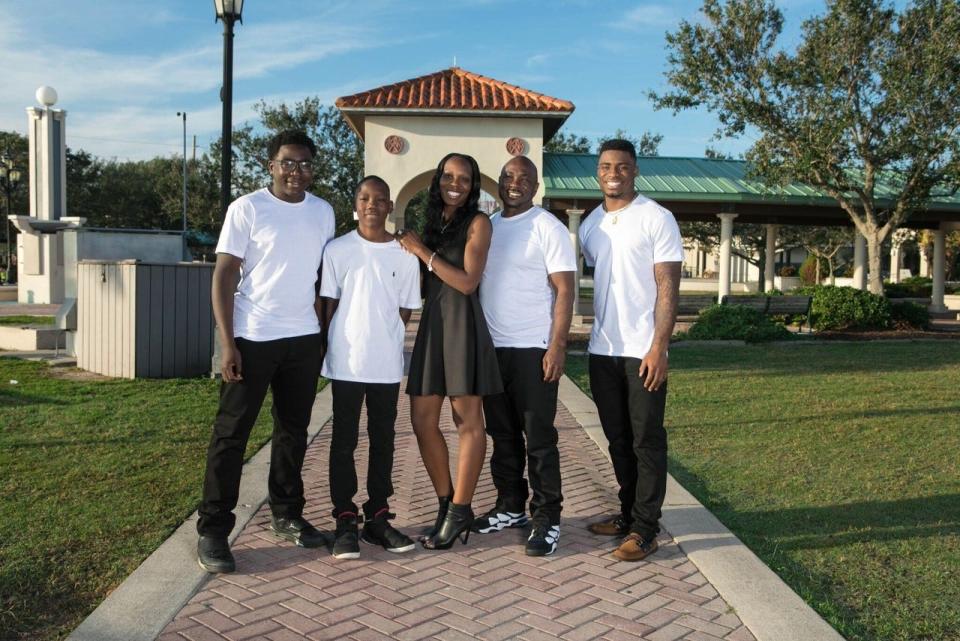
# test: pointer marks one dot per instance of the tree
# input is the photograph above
(568, 143)
(870, 97)
(824, 243)
(339, 160)
(648, 144)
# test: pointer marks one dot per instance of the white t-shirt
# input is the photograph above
(372, 282)
(281, 245)
(624, 245)
(515, 295)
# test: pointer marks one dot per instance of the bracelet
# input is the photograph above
(430, 262)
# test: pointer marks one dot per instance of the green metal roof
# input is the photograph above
(568, 176)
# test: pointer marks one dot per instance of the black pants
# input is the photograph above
(289, 367)
(524, 411)
(632, 420)
(348, 400)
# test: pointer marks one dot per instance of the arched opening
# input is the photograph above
(410, 202)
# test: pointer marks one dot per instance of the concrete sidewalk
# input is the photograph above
(702, 585)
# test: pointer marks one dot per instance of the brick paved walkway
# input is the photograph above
(487, 589)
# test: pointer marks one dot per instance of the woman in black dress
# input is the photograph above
(453, 355)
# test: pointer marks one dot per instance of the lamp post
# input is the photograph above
(228, 11)
(183, 114)
(9, 181)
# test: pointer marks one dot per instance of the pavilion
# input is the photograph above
(409, 125)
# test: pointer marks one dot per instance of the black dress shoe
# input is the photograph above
(214, 556)
(298, 531)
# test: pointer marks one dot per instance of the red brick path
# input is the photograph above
(487, 589)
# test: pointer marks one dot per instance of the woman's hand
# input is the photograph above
(411, 242)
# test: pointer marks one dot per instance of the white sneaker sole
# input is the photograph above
(347, 555)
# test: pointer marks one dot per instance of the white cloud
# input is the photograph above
(538, 59)
(648, 16)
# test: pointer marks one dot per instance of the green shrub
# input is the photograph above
(735, 322)
(846, 308)
(913, 287)
(908, 315)
(808, 270)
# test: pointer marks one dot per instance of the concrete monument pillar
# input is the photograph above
(573, 226)
(939, 269)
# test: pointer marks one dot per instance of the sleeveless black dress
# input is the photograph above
(453, 354)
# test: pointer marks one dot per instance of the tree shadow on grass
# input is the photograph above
(827, 526)
(16, 398)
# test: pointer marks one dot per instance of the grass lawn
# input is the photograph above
(26, 320)
(838, 465)
(94, 474)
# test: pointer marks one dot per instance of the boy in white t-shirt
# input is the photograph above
(635, 247)
(272, 241)
(370, 286)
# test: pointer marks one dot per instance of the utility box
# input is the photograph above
(144, 320)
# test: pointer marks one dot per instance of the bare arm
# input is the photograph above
(553, 360)
(464, 280)
(653, 367)
(226, 276)
(405, 315)
(329, 309)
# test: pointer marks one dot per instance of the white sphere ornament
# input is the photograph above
(47, 96)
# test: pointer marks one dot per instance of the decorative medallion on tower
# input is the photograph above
(516, 146)
(394, 144)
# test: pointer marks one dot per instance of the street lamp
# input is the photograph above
(184, 115)
(229, 11)
(9, 181)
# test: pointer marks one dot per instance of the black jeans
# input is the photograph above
(632, 420)
(524, 411)
(290, 368)
(348, 398)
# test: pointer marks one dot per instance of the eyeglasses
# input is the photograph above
(306, 166)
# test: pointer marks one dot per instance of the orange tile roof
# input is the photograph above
(455, 88)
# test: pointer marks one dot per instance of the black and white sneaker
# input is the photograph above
(543, 540)
(378, 531)
(498, 519)
(346, 543)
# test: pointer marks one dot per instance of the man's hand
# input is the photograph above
(230, 363)
(553, 363)
(653, 369)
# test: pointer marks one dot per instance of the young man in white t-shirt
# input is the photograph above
(636, 249)
(370, 286)
(272, 242)
(527, 298)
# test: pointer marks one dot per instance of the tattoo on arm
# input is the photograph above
(667, 276)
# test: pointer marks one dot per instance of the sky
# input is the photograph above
(124, 68)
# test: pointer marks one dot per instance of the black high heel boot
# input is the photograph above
(456, 524)
(444, 502)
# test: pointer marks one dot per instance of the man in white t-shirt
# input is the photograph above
(272, 241)
(370, 286)
(527, 298)
(635, 247)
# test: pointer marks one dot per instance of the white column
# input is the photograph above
(924, 258)
(895, 262)
(859, 260)
(726, 238)
(573, 226)
(771, 257)
(939, 267)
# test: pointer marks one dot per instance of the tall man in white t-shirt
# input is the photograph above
(635, 247)
(527, 299)
(272, 242)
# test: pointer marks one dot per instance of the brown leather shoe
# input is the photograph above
(613, 526)
(636, 548)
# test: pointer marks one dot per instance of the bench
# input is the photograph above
(689, 307)
(774, 305)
